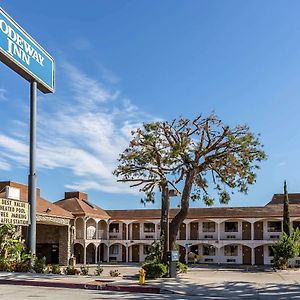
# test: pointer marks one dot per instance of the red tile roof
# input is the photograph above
(82, 208)
(211, 212)
(44, 207)
(278, 199)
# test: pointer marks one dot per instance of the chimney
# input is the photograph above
(12, 193)
(78, 195)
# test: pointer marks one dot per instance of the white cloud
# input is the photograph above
(107, 187)
(108, 75)
(86, 90)
(4, 165)
(3, 93)
(84, 134)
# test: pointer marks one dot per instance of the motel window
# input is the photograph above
(208, 227)
(274, 226)
(231, 250)
(114, 227)
(146, 249)
(296, 224)
(149, 227)
(114, 250)
(209, 250)
(231, 227)
(270, 251)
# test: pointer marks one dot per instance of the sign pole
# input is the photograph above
(32, 168)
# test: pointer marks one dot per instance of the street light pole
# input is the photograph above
(32, 168)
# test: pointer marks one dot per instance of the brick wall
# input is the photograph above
(51, 234)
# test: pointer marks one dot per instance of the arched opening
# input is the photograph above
(78, 253)
(91, 229)
(117, 253)
(90, 254)
(79, 228)
(102, 253)
(102, 227)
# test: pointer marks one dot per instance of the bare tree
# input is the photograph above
(195, 159)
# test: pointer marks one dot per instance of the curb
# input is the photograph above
(85, 286)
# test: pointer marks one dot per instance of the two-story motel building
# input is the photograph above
(226, 235)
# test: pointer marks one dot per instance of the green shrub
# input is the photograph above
(23, 266)
(70, 270)
(155, 270)
(155, 252)
(286, 248)
(39, 265)
(13, 256)
(98, 270)
(181, 268)
(84, 270)
(114, 273)
(55, 269)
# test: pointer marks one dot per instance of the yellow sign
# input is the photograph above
(13, 212)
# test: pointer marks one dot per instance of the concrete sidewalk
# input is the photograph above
(214, 282)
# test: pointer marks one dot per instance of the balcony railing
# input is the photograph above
(115, 236)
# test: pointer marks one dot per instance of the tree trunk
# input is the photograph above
(164, 220)
(182, 214)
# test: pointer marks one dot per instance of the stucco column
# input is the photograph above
(84, 254)
(126, 248)
(252, 256)
(126, 231)
(96, 254)
(218, 231)
(187, 235)
(252, 231)
(84, 229)
(141, 230)
(218, 255)
(107, 259)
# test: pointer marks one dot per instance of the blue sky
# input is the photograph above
(119, 63)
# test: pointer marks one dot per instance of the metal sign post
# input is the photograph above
(32, 169)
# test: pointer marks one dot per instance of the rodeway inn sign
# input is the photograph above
(20, 52)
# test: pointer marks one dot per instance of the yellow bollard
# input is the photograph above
(142, 277)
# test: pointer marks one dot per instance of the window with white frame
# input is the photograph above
(208, 250)
(274, 226)
(231, 250)
(231, 227)
(208, 227)
(149, 227)
(114, 250)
